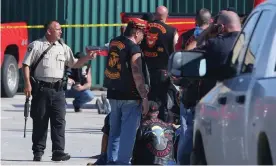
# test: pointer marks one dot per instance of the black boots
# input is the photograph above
(57, 156)
(60, 156)
(38, 156)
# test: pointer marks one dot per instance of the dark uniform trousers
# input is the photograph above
(48, 104)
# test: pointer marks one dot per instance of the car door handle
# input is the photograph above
(222, 100)
(240, 99)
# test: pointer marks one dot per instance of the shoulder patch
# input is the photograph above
(30, 49)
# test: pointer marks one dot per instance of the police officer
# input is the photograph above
(216, 50)
(157, 47)
(46, 87)
(127, 91)
(155, 140)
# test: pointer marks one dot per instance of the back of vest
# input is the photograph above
(187, 38)
(158, 45)
(118, 76)
(154, 143)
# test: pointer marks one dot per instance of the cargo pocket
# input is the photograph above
(60, 61)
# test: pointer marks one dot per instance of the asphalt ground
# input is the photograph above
(83, 134)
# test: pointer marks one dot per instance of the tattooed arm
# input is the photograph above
(136, 66)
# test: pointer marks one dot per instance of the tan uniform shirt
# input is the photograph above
(51, 67)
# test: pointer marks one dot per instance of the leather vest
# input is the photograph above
(154, 143)
(158, 44)
(118, 74)
(187, 38)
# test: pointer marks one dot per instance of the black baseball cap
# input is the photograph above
(153, 106)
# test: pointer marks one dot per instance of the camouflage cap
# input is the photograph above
(137, 23)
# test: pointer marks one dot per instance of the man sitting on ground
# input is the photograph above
(80, 79)
(155, 140)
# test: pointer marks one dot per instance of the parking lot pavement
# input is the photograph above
(83, 134)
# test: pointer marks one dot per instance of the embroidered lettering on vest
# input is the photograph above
(155, 25)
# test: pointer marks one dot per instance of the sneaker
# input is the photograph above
(102, 160)
(100, 106)
(60, 156)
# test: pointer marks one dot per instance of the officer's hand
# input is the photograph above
(27, 90)
(145, 109)
(92, 55)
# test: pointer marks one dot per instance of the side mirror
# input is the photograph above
(187, 64)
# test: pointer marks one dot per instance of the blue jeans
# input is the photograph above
(125, 119)
(185, 144)
(81, 97)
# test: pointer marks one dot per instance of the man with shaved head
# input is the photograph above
(158, 45)
(43, 68)
(217, 51)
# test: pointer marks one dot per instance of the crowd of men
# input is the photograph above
(139, 129)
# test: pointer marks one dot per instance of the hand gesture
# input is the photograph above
(92, 54)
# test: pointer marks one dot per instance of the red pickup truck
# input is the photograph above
(14, 43)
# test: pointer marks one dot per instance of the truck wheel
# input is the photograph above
(9, 76)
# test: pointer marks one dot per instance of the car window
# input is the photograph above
(257, 38)
(242, 41)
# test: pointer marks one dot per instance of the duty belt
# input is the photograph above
(52, 85)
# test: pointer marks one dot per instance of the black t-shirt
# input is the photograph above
(154, 143)
(80, 74)
(118, 70)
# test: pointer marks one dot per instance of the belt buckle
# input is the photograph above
(52, 84)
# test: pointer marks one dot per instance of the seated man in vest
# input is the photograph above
(80, 79)
(155, 140)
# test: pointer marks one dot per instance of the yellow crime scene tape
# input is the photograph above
(82, 25)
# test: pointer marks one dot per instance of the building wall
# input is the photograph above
(191, 6)
(37, 12)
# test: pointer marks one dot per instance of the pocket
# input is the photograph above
(61, 61)
(46, 60)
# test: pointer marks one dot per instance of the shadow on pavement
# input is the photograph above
(81, 157)
(73, 130)
(85, 110)
(96, 157)
(69, 106)
(13, 160)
